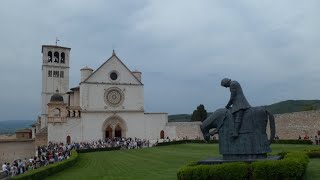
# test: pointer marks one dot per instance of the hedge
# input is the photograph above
(292, 166)
(291, 141)
(232, 171)
(279, 141)
(46, 171)
(98, 149)
(185, 142)
(314, 153)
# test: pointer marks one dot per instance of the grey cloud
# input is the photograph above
(183, 49)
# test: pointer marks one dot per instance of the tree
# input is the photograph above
(200, 114)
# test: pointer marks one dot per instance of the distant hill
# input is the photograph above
(293, 106)
(11, 126)
(277, 108)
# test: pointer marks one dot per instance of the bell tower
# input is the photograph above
(55, 76)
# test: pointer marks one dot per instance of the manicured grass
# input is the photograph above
(155, 163)
(313, 171)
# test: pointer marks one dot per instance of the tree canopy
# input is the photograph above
(200, 114)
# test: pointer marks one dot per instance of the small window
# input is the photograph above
(50, 56)
(61, 74)
(161, 134)
(113, 76)
(55, 73)
(56, 57)
(49, 73)
(62, 58)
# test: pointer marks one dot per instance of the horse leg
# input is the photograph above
(205, 133)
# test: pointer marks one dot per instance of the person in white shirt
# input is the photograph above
(5, 169)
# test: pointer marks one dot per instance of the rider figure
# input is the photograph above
(238, 101)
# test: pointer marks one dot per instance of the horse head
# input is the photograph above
(215, 120)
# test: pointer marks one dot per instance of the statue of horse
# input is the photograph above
(252, 142)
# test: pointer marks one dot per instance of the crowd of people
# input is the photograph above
(315, 141)
(55, 152)
(46, 155)
(123, 143)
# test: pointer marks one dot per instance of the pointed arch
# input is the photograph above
(62, 59)
(108, 132)
(56, 57)
(50, 56)
(114, 122)
(117, 131)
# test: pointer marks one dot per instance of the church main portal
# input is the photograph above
(114, 127)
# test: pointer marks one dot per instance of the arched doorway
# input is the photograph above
(162, 134)
(68, 140)
(114, 126)
(108, 132)
(117, 132)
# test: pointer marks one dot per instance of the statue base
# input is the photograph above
(218, 160)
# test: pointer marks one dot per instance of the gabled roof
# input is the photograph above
(113, 55)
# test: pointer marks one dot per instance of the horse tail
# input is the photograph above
(272, 126)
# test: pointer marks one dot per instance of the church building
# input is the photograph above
(109, 102)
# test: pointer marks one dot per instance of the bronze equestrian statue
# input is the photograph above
(241, 128)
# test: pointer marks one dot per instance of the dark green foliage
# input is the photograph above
(284, 141)
(98, 149)
(46, 171)
(291, 141)
(185, 142)
(314, 153)
(179, 118)
(200, 114)
(293, 106)
(232, 171)
(292, 166)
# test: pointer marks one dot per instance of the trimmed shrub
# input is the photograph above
(98, 149)
(292, 166)
(46, 171)
(314, 153)
(232, 171)
(291, 141)
(281, 141)
(185, 141)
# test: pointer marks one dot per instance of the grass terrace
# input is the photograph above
(157, 162)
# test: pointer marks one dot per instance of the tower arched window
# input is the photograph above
(62, 59)
(56, 57)
(50, 56)
(56, 112)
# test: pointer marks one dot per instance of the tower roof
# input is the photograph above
(54, 46)
(56, 98)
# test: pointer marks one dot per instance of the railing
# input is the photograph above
(56, 119)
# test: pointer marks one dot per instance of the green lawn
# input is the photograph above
(155, 163)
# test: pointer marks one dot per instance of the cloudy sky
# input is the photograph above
(183, 48)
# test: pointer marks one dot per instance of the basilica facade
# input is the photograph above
(109, 102)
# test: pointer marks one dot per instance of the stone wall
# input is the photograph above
(288, 126)
(291, 125)
(180, 130)
(13, 149)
